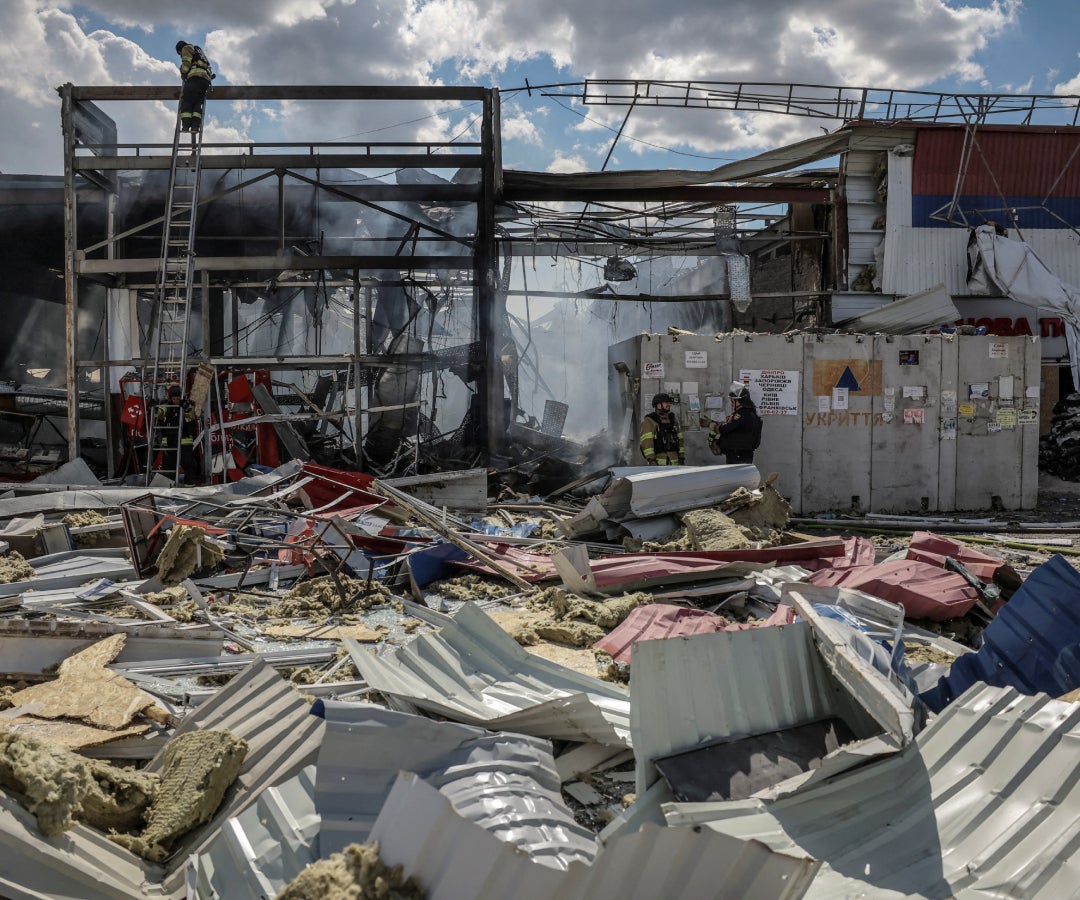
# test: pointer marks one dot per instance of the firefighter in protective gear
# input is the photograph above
(196, 75)
(176, 420)
(661, 436)
(738, 436)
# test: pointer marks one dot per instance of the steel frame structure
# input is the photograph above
(94, 161)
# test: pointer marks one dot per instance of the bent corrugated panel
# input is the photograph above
(933, 548)
(1032, 645)
(925, 591)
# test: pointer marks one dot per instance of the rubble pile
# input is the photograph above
(1059, 451)
(354, 685)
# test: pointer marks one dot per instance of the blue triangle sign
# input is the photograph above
(848, 380)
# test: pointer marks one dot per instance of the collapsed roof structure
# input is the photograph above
(383, 313)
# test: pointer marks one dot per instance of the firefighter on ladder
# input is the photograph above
(176, 420)
(196, 75)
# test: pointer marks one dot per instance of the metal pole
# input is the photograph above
(71, 294)
(491, 305)
(356, 367)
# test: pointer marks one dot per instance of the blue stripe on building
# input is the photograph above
(1030, 212)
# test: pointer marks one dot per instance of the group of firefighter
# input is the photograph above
(661, 439)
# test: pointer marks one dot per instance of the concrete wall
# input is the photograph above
(927, 423)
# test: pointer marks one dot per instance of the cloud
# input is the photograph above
(875, 43)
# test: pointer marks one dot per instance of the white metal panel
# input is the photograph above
(453, 858)
(781, 436)
(687, 690)
(982, 804)
(918, 258)
(904, 451)
(836, 442)
(507, 783)
(948, 459)
(990, 457)
(474, 672)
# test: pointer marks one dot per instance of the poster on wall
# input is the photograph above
(775, 392)
(696, 359)
(652, 370)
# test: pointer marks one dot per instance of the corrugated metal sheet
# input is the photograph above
(258, 706)
(507, 783)
(982, 804)
(1020, 163)
(908, 315)
(687, 690)
(658, 621)
(452, 858)
(71, 568)
(928, 547)
(260, 851)
(863, 668)
(918, 258)
(32, 646)
(665, 490)
(925, 591)
(1033, 643)
(474, 672)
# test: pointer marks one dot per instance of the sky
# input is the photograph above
(965, 46)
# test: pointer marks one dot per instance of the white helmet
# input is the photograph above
(736, 390)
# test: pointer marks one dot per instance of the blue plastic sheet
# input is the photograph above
(429, 564)
(1033, 645)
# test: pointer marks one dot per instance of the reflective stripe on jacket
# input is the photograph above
(193, 62)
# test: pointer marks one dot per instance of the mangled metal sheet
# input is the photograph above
(465, 490)
(864, 669)
(258, 852)
(453, 858)
(928, 547)
(508, 783)
(31, 647)
(657, 621)
(474, 672)
(640, 493)
(982, 804)
(925, 591)
(1033, 645)
(908, 315)
(685, 691)
(640, 571)
(257, 706)
(70, 569)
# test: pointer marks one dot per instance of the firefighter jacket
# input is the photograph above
(661, 440)
(194, 64)
(739, 436)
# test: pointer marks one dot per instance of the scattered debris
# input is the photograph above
(310, 618)
(356, 872)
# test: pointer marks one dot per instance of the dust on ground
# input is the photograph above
(198, 769)
(357, 873)
(187, 550)
(14, 567)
